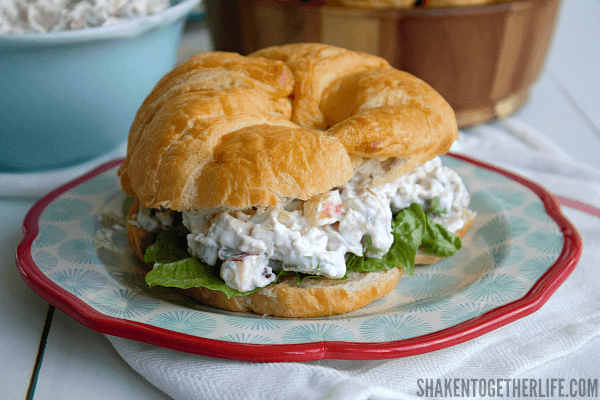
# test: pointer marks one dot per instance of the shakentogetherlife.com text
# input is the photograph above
(496, 388)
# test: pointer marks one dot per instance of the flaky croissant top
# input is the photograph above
(293, 121)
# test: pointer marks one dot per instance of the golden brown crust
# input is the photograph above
(315, 67)
(312, 298)
(172, 106)
(236, 162)
(389, 113)
(272, 77)
(379, 3)
(160, 170)
(202, 105)
(214, 71)
(194, 109)
(384, 87)
(287, 298)
(261, 164)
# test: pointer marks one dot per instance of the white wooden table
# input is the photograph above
(44, 354)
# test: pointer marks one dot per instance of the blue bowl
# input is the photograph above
(68, 97)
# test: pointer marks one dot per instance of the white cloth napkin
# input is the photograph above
(560, 341)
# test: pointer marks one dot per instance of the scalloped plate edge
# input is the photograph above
(473, 328)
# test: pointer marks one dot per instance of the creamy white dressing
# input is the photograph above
(421, 185)
(432, 180)
(285, 237)
(315, 238)
(152, 220)
(247, 272)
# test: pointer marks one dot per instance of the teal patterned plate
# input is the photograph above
(520, 248)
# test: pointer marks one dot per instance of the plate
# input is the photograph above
(519, 250)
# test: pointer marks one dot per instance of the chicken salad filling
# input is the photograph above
(315, 236)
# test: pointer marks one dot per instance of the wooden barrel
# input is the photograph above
(482, 59)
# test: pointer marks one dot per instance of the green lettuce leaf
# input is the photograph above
(436, 207)
(173, 266)
(300, 277)
(169, 246)
(439, 241)
(188, 273)
(411, 228)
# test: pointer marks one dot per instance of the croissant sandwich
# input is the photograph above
(299, 181)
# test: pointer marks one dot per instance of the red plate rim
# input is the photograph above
(541, 291)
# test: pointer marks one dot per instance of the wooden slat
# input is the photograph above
(551, 112)
(41, 349)
(356, 33)
(22, 312)
(81, 364)
(575, 56)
